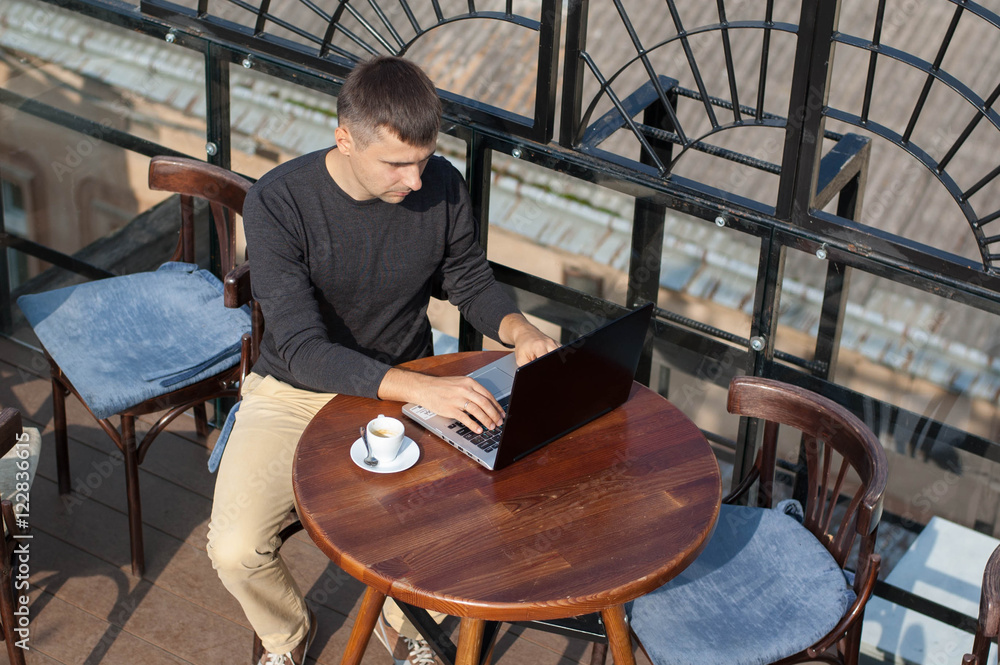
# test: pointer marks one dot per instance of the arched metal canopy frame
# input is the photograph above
(372, 40)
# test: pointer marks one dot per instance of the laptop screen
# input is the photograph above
(574, 384)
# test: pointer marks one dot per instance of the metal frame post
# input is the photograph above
(548, 77)
(648, 221)
(478, 170)
(217, 124)
(796, 187)
(572, 94)
(217, 103)
(770, 273)
(810, 87)
(218, 133)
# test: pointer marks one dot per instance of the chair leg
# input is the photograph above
(59, 423)
(201, 420)
(598, 653)
(852, 643)
(132, 490)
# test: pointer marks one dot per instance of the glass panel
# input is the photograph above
(67, 186)
(107, 74)
(560, 229)
(98, 210)
(553, 226)
(74, 190)
(801, 304)
(696, 381)
(935, 360)
(273, 121)
(938, 361)
(507, 83)
(708, 275)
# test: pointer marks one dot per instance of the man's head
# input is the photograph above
(388, 94)
(389, 116)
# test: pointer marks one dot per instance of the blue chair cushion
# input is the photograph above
(123, 340)
(763, 589)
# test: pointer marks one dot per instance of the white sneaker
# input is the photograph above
(404, 651)
(420, 652)
(296, 656)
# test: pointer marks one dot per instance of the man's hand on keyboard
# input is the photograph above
(456, 397)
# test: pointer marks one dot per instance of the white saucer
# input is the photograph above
(408, 455)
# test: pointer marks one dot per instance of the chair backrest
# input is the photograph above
(224, 190)
(836, 442)
(988, 625)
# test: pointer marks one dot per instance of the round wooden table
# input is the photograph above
(595, 519)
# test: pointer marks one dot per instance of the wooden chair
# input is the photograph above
(19, 448)
(988, 625)
(147, 342)
(767, 588)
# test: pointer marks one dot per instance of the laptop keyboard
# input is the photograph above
(488, 440)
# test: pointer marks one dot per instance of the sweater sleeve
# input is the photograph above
(307, 358)
(467, 277)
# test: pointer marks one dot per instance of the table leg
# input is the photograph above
(619, 638)
(470, 640)
(371, 607)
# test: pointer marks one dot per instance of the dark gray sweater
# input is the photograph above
(344, 285)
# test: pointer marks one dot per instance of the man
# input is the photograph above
(345, 245)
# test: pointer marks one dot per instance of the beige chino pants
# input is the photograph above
(253, 495)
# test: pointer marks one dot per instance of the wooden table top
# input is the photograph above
(592, 520)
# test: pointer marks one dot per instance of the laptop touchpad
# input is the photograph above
(496, 381)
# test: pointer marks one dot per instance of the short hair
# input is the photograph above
(389, 93)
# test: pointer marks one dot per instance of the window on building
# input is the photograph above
(15, 220)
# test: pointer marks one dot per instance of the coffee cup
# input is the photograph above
(385, 436)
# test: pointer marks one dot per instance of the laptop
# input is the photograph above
(552, 395)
